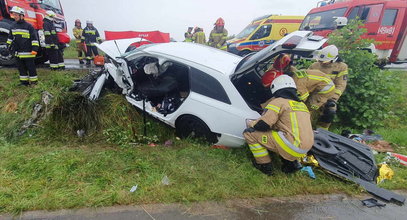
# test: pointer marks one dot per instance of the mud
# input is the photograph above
(299, 207)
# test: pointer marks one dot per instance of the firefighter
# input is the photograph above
(284, 128)
(218, 35)
(51, 40)
(199, 36)
(90, 36)
(77, 33)
(328, 63)
(24, 40)
(314, 87)
(188, 35)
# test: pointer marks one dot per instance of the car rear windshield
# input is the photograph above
(322, 20)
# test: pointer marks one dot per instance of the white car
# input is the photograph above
(198, 90)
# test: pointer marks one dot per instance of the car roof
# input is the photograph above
(213, 58)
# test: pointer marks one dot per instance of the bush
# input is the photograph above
(369, 93)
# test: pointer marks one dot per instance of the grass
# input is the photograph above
(50, 168)
(71, 52)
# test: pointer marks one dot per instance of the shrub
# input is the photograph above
(369, 93)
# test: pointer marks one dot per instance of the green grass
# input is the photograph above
(71, 52)
(50, 168)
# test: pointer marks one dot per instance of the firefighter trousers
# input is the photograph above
(28, 71)
(91, 52)
(53, 58)
(60, 59)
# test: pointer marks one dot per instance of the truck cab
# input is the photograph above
(35, 11)
(384, 20)
(262, 32)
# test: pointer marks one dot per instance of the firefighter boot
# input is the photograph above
(290, 166)
(81, 61)
(265, 168)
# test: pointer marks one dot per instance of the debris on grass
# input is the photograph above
(134, 188)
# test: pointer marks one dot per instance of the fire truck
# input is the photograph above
(34, 14)
(385, 21)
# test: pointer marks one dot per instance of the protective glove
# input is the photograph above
(330, 103)
(34, 52)
(52, 46)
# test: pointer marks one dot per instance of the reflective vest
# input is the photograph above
(199, 37)
(90, 36)
(188, 37)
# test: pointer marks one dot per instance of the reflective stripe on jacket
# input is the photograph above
(217, 39)
(90, 36)
(338, 72)
(50, 33)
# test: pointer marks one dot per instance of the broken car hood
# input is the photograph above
(116, 48)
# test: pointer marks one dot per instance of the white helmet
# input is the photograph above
(341, 21)
(89, 22)
(327, 54)
(17, 10)
(282, 82)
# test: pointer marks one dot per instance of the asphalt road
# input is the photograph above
(299, 207)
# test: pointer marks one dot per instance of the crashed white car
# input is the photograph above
(198, 90)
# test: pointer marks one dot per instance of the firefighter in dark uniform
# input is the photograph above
(23, 38)
(51, 40)
(90, 36)
(329, 64)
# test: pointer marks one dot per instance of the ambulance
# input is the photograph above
(262, 32)
(385, 21)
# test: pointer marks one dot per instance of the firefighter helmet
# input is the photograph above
(220, 22)
(89, 22)
(50, 14)
(282, 82)
(17, 10)
(282, 61)
(341, 21)
(328, 54)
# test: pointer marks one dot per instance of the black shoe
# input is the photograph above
(290, 166)
(266, 168)
(81, 62)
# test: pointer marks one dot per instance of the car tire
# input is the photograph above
(191, 126)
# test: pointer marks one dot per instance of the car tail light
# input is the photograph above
(292, 42)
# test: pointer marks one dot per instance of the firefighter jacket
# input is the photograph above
(338, 72)
(24, 39)
(199, 37)
(291, 134)
(188, 37)
(50, 33)
(217, 39)
(90, 36)
(312, 81)
(77, 33)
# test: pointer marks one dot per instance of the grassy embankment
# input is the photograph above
(50, 168)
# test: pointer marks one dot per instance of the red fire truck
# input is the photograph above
(385, 21)
(34, 14)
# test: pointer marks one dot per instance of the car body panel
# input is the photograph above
(226, 119)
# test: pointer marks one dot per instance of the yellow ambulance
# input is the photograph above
(262, 32)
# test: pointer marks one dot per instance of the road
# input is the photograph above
(299, 207)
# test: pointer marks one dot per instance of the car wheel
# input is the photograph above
(191, 126)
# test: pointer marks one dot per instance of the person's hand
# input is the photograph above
(249, 123)
(34, 52)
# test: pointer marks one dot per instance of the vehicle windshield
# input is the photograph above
(247, 31)
(322, 20)
(53, 5)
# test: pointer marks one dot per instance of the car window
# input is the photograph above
(262, 32)
(208, 86)
(371, 13)
(353, 13)
(389, 17)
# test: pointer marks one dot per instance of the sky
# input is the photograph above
(174, 16)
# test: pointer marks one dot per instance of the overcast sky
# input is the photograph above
(174, 16)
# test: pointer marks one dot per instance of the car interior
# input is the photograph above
(163, 83)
